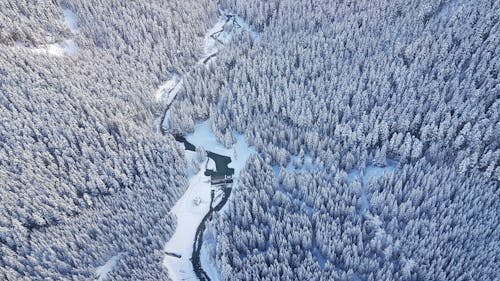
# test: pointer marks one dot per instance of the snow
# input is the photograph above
(276, 170)
(370, 173)
(70, 20)
(244, 25)
(204, 136)
(166, 94)
(211, 45)
(296, 165)
(58, 49)
(239, 152)
(103, 270)
(223, 31)
(67, 47)
(193, 163)
(168, 90)
(211, 164)
(207, 255)
(189, 215)
(319, 257)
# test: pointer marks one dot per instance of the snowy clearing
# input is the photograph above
(301, 164)
(189, 210)
(195, 202)
(103, 270)
(166, 94)
(371, 172)
(70, 20)
(67, 47)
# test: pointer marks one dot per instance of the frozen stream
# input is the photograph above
(209, 188)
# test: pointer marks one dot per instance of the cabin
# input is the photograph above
(221, 180)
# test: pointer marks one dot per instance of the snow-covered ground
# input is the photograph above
(370, 173)
(58, 49)
(207, 257)
(67, 47)
(70, 20)
(222, 32)
(168, 90)
(103, 270)
(239, 152)
(166, 94)
(195, 203)
(305, 164)
(189, 211)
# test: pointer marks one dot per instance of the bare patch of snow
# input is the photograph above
(166, 94)
(168, 90)
(239, 152)
(70, 20)
(103, 270)
(301, 164)
(371, 172)
(67, 47)
(211, 164)
(58, 49)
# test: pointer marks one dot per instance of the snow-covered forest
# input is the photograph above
(375, 126)
(352, 85)
(83, 174)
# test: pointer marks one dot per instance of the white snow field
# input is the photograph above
(67, 47)
(207, 257)
(70, 20)
(189, 215)
(195, 203)
(104, 269)
(239, 152)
